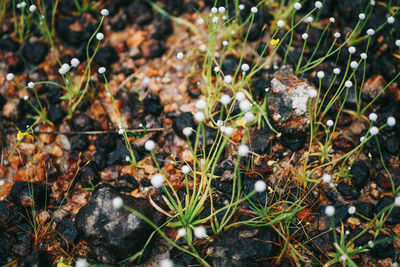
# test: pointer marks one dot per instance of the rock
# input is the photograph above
(260, 140)
(394, 216)
(366, 209)
(153, 49)
(115, 234)
(35, 53)
(182, 121)
(162, 27)
(88, 176)
(140, 12)
(81, 122)
(106, 56)
(360, 174)
(26, 194)
(79, 143)
(10, 110)
(8, 44)
(152, 104)
(15, 64)
(38, 258)
(66, 228)
(106, 142)
(383, 247)
(294, 142)
(372, 87)
(47, 138)
(56, 114)
(8, 214)
(242, 247)
(6, 242)
(288, 101)
(229, 65)
(348, 192)
(126, 183)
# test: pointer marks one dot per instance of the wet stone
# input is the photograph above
(366, 209)
(38, 258)
(394, 216)
(347, 191)
(294, 142)
(182, 121)
(56, 114)
(383, 247)
(35, 53)
(152, 104)
(360, 174)
(79, 143)
(88, 175)
(81, 122)
(162, 27)
(106, 56)
(260, 140)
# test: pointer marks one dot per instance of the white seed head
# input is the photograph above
(179, 56)
(228, 79)
(312, 93)
(249, 116)
(353, 64)
(362, 138)
(200, 232)
(201, 104)
(31, 85)
(304, 36)
(22, 4)
(227, 130)
(117, 203)
(157, 180)
(361, 16)
(203, 48)
(64, 69)
(330, 210)
(221, 9)
(81, 263)
(352, 49)
(260, 186)
(371, 244)
(336, 71)
(32, 8)
(363, 56)
(372, 2)
(332, 20)
(10, 76)
(102, 70)
(185, 169)
(187, 131)
(347, 232)
(219, 123)
(216, 69)
(127, 158)
(372, 116)
(199, 116)
(329, 123)
(397, 43)
(348, 84)
(166, 263)
(351, 210)
(254, 10)
(26, 97)
(374, 130)
(320, 74)
(343, 258)
(214, 10)
(241, 7)
(200, 21)
(337, 35)
(240, 96)
(370, 32)
(397, 201)
(243, 150)
(245, 67)
(318, 4)
(182, 232)
(390, 20)
(225, 43)
(149, 145)
(75, 62)
(104, 12)
(297, 6)
(309, 19)
(280, 23)
(326, 178)
(99, 36)
(120, 131)
(391, 121)
(215, 20)
(225, 100)
(245, 105)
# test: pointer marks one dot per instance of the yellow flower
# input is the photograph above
(241, 123)
(21, 135)
(61, 264)
(274, 42)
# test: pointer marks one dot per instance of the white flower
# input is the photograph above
(201, 21)
(225, 100)
(220, 123)
(221, 9)
(185, 169)
(332, 20)
(215, 20)
(372, 2)
(304, 36)
(203, 48)
(362, 138)
(157, 180)
(336, 71)
(361, 16)
(228, 79)
(391, 121)
(120, 131)
(330, 210)
(32, 8)
(374, 130)
(10, 76)
(245, 67)
(22, 4)
(245, 105)
(370, 32)
(187, 131)
(397, 201)
(337, 35)
(309, 19)
(200, 232)
(254, 10)
(225, 43)
(216, 69)
(214, 10)
(348, 84)
(243, 150)
(312, 93)
(363, 56)
(149, 145)
(26, 97)
(104, 12)
(353, 64)
(318, 4)
(397, 43)
(371, 244)
(81, 263)
(102, 70)
(390, 20)
(249, 116)
(182, 232)
(280, 23)
(117, 203)
(240, 96)
(199, 116)
(320, 74)
(372, 116)
(347, 232)
(31, 85)
(329, 123)
(201, 104)
(223, 128)
(75, 62)
(352, 210)
(352, 49)
(179, 55)
(127, 158)
(343, 258)
(241, 7)
(166, 263)
(99, 36)
(260, 186)
(297, 6)
(326, 178)
(64, 69)
(227, 130)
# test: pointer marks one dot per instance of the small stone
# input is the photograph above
(47, 138)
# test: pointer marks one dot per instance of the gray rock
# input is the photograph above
(115, 234)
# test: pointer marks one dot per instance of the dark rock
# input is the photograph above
(53, 92)
(21, 249)
(348, 192)
(81, 122)
(383, 247)
(106, 56)
(360, 174)
(100, 160)
(162, 27)
(392, 145)
(26, 194)
(260, 140)
(139, 12)
(153, 49)
(56, 114)
(294, 142)
(15, 64)
(7, 44)
(394, 216)
(8, 214)
(118, 155)
(366, 209)
(79, 143)
(126, 183)
(323, 241)
(35, 53)
(38, 258)
(3, 101)
(116, 234)
(152, 104)
(243, 247)
(229, 65)
(106, 142)
(181, 258)
(118, 23)
(66, 228)
(6, 242)
(182, 121)
(88, 176)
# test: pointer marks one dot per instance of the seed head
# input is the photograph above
(199, 116)
(330, 211)
(241, 7)
(337, 35)
(260, 186)
(187, 131)
(363, 56)
(249, 116)
(371, 244)
(329, 123)
(166, 263)
(31, 85)
(312, 93)
(214, 10)
(104, 12)
(117, 203)
(149, 145)
(245, 67)
(201, 104)
(370, 32)
(332, 20)
(185, 169)
(374, 130)
(200, 21)
(10, 76)
(352, 210)
(75, 62)
(320, 74)
(32, 8)
(225, 100)
(245, 105)
(221, 9)
(254, 10)
(81, 263)
(397, 201)
(397, 43)
(243, 150)
(362, 138)
(280, 23)
(179, 56)
(336, 71)
(361, 16)
(216, 69)
(64, 69)
(228, 79)
(326, 178)
(372, 116)
(372, 2)
(390, 20)
(157, 180)
(200, 232)
(304, 36)
(318, 4)
(240, 96)
(352, 49)
(102, 70)
(26, 97)
(348, 84)
(310, 19)
(343, 258)
(182, 232)
(391, 121)
(99, 36)
(120, 131)
(353, 64)
(227, 130)
(215, 20)
(297, 6)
